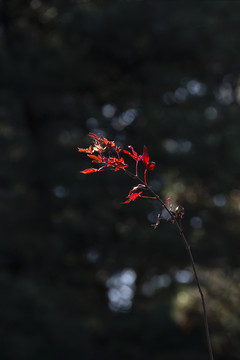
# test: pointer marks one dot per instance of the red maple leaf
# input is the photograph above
(134, 154)
(96, 158)
(95, 137)
(132, 197)
(89, 171)
(87, 150)
(149, 165)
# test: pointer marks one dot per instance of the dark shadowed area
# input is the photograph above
(82, 275)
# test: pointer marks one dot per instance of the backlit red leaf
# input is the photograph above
(132, 197)
(95, 137)
(149, 165)
(96, 158)
(134, 154)
(87, 150)
(145, 156)
(89, 171)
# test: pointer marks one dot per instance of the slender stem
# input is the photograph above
(136, 167)
(145, 177)
(199, 288)
(175, 221)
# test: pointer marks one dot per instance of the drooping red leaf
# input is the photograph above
(89, 171)
(132, 197)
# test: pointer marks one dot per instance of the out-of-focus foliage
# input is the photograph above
(81, 274)
(222, 295)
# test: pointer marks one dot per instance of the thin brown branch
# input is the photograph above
(176, 222)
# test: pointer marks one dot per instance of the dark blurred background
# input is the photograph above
(83, 276)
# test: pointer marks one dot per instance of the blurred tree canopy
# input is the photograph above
(81, 274)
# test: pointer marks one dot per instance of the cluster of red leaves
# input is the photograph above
(104, 148)
(108, 156)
